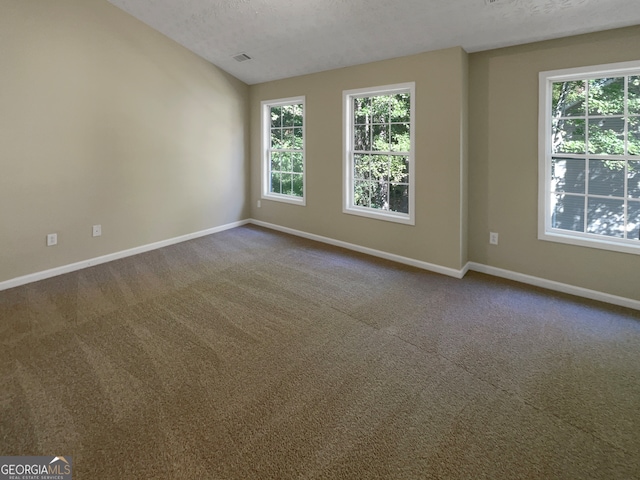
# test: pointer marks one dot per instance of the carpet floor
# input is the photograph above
(251, 354)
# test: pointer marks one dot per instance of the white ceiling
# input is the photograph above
(286, 38)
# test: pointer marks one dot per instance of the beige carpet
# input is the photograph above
(251, 354)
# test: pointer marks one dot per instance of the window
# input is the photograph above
(589, 171)
(379, 175)
(283, 159)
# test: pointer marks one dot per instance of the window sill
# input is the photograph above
(380, 215)
(627, 247)
(285, 199)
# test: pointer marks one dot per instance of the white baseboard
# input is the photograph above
(557, 286)
(476, 267)
(451, 272)
(34, 277)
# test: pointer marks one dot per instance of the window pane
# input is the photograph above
(378, 152)
(633, 224)
(380, 108)
(598, 119)
(634, 95)
(285, 164)
(379, 192)
(284, 152)
(568, 99)
(362, 193)
(297, 185)
(606, 96)
(399, 169)
(568, 175)
(379, 165)
(361, 167)
(362, 110)
(361, 137)
(633, 128)
(400, 141)
(297, 161)
(568, 136)
(276, 182)
(276, 138)
(633, 179)
(287, 115)
(606, 177)
(399, 198)
(275, 160)
(287, 184)
(605, 217)
(287, 138)
(606, 136)
(567, 212)
(381, 138)
(298, 138)
(400, 108)
(276, 116)
(297, 115)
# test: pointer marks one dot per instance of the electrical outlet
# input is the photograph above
(493, 238)
(97, 230)
(52, 239)
(259, 203)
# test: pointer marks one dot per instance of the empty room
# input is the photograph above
(320, 239)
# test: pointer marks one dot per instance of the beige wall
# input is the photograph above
(503, 163)
(105, 121)
(437, 236)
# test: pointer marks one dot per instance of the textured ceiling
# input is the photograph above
(286, 38)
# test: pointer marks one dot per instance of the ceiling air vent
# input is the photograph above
(241, 57)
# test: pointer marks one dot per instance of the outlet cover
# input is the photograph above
(493, 238)
(97, 230)
(52, 239)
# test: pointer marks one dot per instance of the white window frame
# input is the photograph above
(265, 109)
(545, 230)
(348, 168)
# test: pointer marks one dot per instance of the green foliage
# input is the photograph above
(606, 138)
(633, 102)
(381, 181)
(382, 124)
(287, 183)
(606, 96)
(568, 136)
(387, 168)
(286, 116)
(568, 99)
(606, 121)
(599, 196)
(634, 135)
(287, 142)
(286, 127)
(382, 109)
